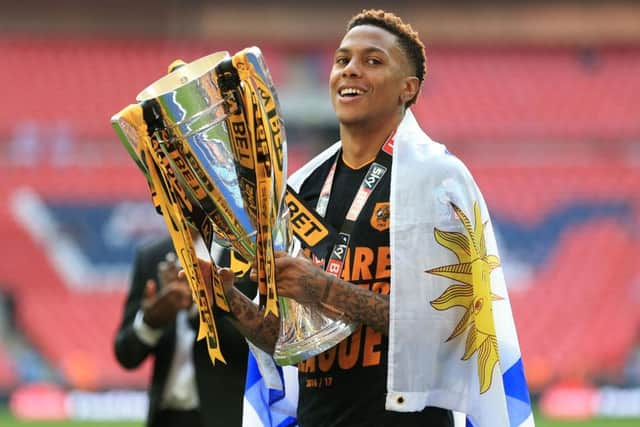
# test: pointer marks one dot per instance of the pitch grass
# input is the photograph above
(6, 420)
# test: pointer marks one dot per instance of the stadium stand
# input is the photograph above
(524, 94)
(74, 78)
(500, 94)
(575, 230)
(73, 330)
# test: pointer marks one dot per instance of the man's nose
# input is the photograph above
(351, 69)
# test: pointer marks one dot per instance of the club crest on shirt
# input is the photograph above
(380, 217)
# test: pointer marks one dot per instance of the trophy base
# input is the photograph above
(306, 331)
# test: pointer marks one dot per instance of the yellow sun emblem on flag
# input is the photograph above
(473, 293)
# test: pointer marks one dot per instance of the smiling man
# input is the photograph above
(377, 74)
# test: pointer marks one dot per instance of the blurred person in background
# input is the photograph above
(161, 321)
(377, 74)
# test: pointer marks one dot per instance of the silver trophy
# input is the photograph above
(219, 140)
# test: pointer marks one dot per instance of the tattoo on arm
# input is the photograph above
(327, 289)
(307, 284)
(357, 304)
(250, 321)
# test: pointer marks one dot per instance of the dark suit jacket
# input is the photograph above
(220, 387)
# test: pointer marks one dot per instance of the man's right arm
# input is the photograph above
(250, 321)
(245, 315)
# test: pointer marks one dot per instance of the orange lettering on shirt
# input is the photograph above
(346, 268)
(371, 355)
(349, 349)
(383, 266)
(381, 288)
(326, 359)
(362, 260)
(308, 365)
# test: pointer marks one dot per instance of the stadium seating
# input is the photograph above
(577, 231)
(535, 94)
(83, 82)
(479, 94)
(73, 330)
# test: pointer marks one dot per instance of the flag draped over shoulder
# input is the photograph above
(452, 339)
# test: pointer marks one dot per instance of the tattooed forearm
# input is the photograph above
(357, 304)
(308, 285)
(250, 321)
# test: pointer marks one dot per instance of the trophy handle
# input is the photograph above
(126, 124)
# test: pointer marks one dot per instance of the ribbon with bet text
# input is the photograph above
(256, 134)
(171, 201)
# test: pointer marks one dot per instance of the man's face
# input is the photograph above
(368, 76)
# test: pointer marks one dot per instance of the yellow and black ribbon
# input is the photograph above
(172, 203)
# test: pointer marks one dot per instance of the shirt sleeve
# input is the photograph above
(148, 335)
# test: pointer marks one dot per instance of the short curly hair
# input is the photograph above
(408, 39)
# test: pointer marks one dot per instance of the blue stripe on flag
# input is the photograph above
(255, 390)
(265, 401)
(288, 422)
(517, 394)
(253, 373)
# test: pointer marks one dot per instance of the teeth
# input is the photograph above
(350, 91)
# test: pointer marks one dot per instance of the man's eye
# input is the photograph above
(341, 60)
(373, 61)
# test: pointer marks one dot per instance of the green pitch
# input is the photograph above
(601, 422)
(6, 420)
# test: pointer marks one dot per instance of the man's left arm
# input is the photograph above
(299, 279)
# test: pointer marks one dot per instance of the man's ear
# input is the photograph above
(410, 89)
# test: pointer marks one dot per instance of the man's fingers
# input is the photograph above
(171, 258)
(182, 297)
(226, 275)
(168, 269)
(176, 295)
(303, 255)
(150, 289)
(205, 268)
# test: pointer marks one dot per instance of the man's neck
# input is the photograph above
(361, 144)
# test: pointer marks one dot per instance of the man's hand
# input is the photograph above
(245, 315)
(206, 269)
(161, 307)
(298, 278)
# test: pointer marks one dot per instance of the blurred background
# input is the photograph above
(541, 99)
